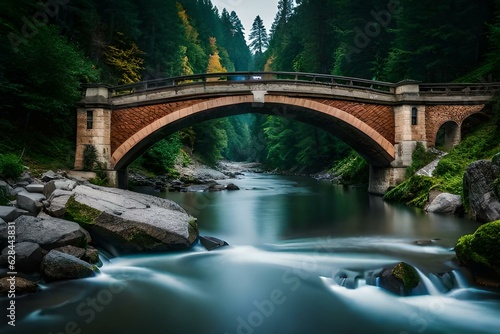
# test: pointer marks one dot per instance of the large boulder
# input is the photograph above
(126, 222)
(480, 252)
(29, 255)
(446, 204)
(31, 202)
(57, 266)
(479, 191)
(50, 233)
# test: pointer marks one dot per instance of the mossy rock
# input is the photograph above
(81, 213)
(399, 279)
(407, 274)
(480, 251)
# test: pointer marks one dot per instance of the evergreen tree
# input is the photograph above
(258, 37)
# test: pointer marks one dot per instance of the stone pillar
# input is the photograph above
(410, 124)
(94, 125)
(410, 128)
(382, 178)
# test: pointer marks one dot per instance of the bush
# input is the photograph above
(161, 157)
(421, 157)
(353, 170)
(10, 166)
(414, 191)
(89, 157)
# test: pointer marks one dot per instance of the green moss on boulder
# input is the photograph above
(407, 274)
(81, 213)
(480, 251)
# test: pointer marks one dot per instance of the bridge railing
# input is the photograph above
(243, 77)
(459, 89)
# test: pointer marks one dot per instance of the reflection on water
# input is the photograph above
(289, 237)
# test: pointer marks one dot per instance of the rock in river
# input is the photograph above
(58, 266)
(122, 221)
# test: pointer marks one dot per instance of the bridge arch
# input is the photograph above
(382, 121)
(365, 139)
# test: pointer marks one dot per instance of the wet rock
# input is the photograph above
(22, 285)
(57, 266)
(479, 191)
(447, 204)
(232, 186)
(72, 250)
(211, 243)
(347, 278)
(399, 279)
(91, 255)
(29, 255)
(50, 233)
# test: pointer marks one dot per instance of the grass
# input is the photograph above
(483, 143)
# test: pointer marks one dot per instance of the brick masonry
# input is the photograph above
(127, 122)
(438, 115)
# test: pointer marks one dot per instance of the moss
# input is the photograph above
(81, 213)
(414, 191)
(481, 249)
(407, 274)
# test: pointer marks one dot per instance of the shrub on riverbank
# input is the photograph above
(448, 175)
(10, 166)
(353, 170)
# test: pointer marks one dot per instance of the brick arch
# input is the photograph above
(128, 141)
(438, 115)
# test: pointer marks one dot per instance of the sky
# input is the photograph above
(247, 11)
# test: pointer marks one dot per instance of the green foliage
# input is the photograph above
(414, 191)
(10, 166)
(89, 157)
(352, 170)
(484, 143)
(481, 248)
(47, 70)
(421, 157)
(161, 157)
(211, 140)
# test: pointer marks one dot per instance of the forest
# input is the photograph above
(50, 47)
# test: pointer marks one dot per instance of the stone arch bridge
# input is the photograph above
(381, 121)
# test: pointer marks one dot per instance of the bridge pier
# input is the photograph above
(382, 178)
(94, 128)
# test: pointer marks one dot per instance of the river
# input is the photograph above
(289, 239)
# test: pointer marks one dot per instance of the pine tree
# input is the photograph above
(258, 37)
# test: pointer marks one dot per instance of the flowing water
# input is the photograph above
(298, 257)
